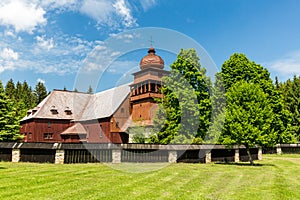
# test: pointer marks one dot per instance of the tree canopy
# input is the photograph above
(184, 113)
(249, 117)
(239, 68)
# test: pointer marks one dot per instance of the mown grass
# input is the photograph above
(276, 177)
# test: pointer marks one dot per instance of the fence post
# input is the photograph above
(116, 156)
(16, 155)
(278, 150)
(59, 156)
(172, 156)
(236, 155)
(259, 155)
(208, 156)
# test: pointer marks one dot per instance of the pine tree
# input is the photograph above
(291, 93)
(10, 90)
(90, 90)
(9, 126)
(40, 92)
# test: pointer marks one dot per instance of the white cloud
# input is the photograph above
(123, 10)
(127, 38)
(44, 43)
(7, 59)
(9, 33)
(100, 10)
(39, 80)
(287, 66)
(67, 51)
(9, 54)
(22, 15)
(61, 4)
(147, 4)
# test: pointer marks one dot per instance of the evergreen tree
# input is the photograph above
(291, 92)
(218, 111)
(90, 90)
(40, 92)
(10, 90)
(9, 126)
(184, 113)
(19, 91)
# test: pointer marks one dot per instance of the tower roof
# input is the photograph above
(152, 60)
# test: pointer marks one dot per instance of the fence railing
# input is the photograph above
(60, 153)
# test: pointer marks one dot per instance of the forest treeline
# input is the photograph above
(15, 101)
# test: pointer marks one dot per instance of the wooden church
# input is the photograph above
(104, 117)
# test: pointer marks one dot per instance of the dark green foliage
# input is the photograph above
(15, 101)
(291, 92)
(40, 92)
(9, 126)
(90, 90)
(184, 113)
(10, 89)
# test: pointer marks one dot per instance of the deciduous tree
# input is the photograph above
(249, 117)
(184, 113)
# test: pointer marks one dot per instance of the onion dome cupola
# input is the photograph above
(152, 60)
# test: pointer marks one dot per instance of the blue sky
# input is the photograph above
(50, 41)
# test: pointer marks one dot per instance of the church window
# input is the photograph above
(101, 131)
(48, 136)
(49, 124)
(122, 110)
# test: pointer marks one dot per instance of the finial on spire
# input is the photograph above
(151, 41)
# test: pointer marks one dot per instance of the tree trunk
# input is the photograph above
(249, 154)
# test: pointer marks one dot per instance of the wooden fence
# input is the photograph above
(67, 153)
(116, 153)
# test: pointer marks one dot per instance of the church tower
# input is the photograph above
(146, 87)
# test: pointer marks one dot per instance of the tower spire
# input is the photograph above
(151, 42)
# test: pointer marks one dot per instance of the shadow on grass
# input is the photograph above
(244, 164)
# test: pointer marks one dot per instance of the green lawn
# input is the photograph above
(276, 177)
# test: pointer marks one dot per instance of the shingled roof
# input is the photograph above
(60, 104)
(76, 129)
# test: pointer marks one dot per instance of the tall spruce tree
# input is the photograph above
(218, 99)
(90, 90)
(186, 96)
(9, 125)
(40, 92)
(10, 89)
(291, 93)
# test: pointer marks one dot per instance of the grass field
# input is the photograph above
(276, 177)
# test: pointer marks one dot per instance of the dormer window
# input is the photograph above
(29, 112)
(33, 111)
(68, 111)
(53, 110)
